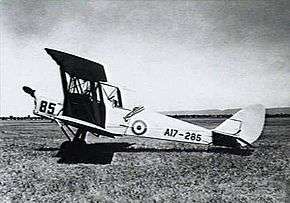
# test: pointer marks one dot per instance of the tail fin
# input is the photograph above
(243, 128)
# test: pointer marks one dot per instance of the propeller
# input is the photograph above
(29, 91)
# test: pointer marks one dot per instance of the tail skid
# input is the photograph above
(242, 129)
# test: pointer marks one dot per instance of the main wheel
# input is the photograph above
(65, 145)
(78, 142)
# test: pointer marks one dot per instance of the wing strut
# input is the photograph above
(63, 130)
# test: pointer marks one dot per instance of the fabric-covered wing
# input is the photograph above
(86, 125)
(78, 67)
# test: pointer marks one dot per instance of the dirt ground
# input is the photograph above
(135, 169)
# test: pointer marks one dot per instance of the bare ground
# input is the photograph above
(134, 169)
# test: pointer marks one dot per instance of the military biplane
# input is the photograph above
(92, 104)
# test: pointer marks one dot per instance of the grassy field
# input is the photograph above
(136, 169)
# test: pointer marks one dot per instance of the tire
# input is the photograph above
(65, 145)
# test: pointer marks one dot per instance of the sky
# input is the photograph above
(166, 55)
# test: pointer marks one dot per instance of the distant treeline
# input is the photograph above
(23, 118)
(173, 116)
(223, 116)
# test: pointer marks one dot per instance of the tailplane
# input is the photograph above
(242, 129)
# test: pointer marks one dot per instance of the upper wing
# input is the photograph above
(86, 125)
(81, 87)
(77, 66)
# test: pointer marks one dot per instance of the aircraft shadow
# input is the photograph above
(46, 149)
(97, 153)
(102, 153)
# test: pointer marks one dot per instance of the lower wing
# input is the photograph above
(85, 125)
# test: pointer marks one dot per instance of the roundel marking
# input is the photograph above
(139, 127)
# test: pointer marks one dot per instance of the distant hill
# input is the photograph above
(282, 110)
(269, 111)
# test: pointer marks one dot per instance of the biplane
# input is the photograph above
(92, 104)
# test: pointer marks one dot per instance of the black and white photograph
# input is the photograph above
(144, 101)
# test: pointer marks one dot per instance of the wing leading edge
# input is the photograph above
(78, 67)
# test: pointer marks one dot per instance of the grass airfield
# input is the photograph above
(139, 169)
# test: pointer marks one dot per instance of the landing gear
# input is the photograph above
(78, 141)
(80, 135)
(71, 149)
(65, 145)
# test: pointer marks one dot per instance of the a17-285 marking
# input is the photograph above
(187, 135)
